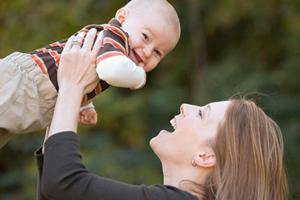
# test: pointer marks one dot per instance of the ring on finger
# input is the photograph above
(76, 42)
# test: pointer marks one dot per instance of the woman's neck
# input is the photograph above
(186, 178)
(176, 175)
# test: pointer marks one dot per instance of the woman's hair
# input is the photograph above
(249, 156)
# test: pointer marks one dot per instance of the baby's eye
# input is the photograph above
(145, 36)
(200, 113)
(157, 53)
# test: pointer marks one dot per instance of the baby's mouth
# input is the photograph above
(137, 59)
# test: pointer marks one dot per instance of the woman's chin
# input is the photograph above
(159, 141)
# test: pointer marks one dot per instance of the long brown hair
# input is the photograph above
(249, 156)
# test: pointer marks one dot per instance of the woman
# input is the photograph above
(224, 150)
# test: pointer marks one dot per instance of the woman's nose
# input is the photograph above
(183, 109)
(186, 109)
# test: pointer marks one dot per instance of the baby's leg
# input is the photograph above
(27, 96)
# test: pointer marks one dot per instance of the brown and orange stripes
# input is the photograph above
(114, 43)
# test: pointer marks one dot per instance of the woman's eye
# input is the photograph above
(200, 113)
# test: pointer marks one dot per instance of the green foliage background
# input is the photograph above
(228, 47)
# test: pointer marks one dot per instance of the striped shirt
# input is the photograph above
(114, 43)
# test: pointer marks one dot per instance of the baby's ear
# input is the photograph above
(121, 15)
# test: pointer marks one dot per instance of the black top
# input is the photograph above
(63, 176)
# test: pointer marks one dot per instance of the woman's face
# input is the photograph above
(194, 128)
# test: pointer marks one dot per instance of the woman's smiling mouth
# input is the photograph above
(173, 123)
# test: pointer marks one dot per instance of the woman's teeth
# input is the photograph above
(173, 123)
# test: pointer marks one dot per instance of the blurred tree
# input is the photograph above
(227, 47)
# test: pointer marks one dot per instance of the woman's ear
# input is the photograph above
(204, 160)
(121, 15)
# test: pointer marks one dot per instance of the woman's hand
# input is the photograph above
(77, 64)
(76, 76)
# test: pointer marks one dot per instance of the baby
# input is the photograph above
(142, 33)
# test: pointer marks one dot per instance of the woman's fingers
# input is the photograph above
(68, 44)
(77, 64)
(83, 41)
(97, 44)
(89, 40)
(77, 41)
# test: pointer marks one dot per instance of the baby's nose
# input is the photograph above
(148, 51)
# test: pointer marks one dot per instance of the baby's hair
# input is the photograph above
(155, 7)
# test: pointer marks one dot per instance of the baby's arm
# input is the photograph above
(113, 63)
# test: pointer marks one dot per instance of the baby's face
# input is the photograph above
(150, 40)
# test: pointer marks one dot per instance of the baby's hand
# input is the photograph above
(88, 116)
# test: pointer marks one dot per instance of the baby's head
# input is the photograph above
(154, 30)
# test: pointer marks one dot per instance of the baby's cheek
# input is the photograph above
(151, 65)
(156, 63)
